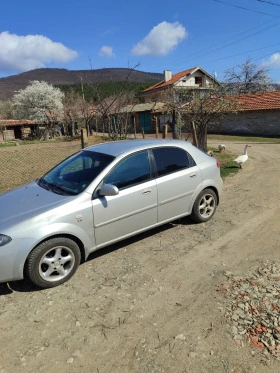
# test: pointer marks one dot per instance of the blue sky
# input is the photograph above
(153, 35)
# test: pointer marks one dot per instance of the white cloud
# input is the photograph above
(23, 53)
(109, 31)
(273, 61)
(162, 39)
(106, 51)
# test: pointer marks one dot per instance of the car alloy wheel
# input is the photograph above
(53, 262)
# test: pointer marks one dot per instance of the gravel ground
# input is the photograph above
(172, 300)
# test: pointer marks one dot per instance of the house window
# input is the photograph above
(198, 81)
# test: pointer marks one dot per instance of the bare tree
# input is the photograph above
(71, 112)
(115, 113)
(193, 110)
(248, 78)
(112, 112)
(202, 111)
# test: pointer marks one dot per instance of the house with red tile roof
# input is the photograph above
(258, 115)
(194, 78)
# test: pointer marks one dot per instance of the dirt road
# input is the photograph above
(152, 304)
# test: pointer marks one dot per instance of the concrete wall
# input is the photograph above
(254, 123)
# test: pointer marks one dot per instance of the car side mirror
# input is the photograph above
(108, 190)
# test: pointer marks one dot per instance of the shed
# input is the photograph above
(146, 116)
(11, 129)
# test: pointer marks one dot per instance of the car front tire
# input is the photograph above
(204, 206)
(53, 262)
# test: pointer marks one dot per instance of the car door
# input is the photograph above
(134, 208)
(178, 178)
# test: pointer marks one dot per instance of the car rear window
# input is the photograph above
(171, 159)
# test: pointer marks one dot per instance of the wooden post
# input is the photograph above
(134, 127)
(156, 126)
(96, 126)
(165, 130)
(82, 138)
(143, 133)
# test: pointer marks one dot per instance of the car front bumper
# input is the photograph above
(12, 259)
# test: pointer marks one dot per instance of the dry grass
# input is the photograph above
(21, 164)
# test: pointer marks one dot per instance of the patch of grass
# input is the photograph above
(228, 167)
(25, 142)
(247, 139)
(5, 145)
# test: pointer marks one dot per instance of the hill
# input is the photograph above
(11, 84)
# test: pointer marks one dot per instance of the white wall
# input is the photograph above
(189, 81)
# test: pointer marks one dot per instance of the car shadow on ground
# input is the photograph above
(141, 236)
(25, 286)
(21, 286)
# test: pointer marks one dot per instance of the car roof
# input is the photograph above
(116, 148)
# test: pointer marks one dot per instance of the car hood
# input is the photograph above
(27, 201)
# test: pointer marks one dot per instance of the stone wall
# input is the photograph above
(253, 123)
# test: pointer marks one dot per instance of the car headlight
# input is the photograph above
(4, 239)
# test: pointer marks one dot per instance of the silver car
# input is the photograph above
(99, 196)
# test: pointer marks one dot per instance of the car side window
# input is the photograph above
(169, 159)
(132, 170)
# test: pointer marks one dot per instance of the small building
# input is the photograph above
(147, 116)
(15, 129)
(258, 115)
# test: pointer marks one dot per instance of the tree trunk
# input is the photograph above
(72, 129)
(47, 134)
(88, 128)
(175, 133)
(201, 133)
(82, 139)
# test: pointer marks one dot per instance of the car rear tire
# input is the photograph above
(204, 206)
(53, 262)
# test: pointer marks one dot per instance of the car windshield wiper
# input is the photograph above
(57, 189)
(44, 184)
(54, 187)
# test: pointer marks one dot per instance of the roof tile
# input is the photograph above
(260, 101)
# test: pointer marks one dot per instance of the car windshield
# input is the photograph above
(74, 175)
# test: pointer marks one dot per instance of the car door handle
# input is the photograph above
(147, 191)
(193, 175)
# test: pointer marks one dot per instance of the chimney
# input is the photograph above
(167, 75)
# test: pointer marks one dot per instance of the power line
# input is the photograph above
(269, 54)
(227, 43)
(250, 51)
(249, 33)
(250, 10)
(268, 2)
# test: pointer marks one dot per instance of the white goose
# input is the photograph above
(242, 158)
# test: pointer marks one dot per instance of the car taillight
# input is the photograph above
(218, 163)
